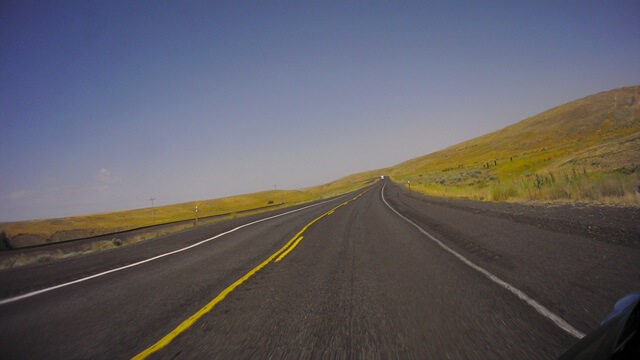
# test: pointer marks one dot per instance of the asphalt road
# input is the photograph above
(363, 282)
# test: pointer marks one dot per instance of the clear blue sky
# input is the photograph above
(104, 104)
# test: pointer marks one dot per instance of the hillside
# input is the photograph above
(585, 150)
(42, 231)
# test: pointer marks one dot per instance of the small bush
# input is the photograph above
(116, 241)
(4, 242)
(555, 192)
(504, 192)
(612, 186)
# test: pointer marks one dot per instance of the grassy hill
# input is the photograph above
(35, 232)
(586, 150)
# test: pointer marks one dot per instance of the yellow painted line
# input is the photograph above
(195, 317)
(289, 249)
(330, 212)
(293, 242)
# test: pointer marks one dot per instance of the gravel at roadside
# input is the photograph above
(612, 224)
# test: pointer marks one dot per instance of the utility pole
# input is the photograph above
(153, 210)
(275, 187)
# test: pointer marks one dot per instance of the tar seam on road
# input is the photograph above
(288, 247)
(561, 323)
(38, 292)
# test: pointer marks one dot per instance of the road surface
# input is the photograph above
(378, 273)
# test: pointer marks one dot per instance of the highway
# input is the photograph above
(378, 273)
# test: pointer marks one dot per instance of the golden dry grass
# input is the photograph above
(61, 229)
(587, 150)
(589, 147)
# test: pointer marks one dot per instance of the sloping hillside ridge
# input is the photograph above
(43, 231)
(572, 152)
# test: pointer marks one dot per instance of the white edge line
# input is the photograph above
(37, 292)
(561, 323)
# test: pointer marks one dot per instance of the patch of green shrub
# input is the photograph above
(5, 244)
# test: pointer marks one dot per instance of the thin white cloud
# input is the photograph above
(17, 195)
(106, 177)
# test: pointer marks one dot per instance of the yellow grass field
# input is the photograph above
(587, 150)
(62, 229)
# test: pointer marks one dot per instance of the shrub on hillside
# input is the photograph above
(4, 242)
(504, 191)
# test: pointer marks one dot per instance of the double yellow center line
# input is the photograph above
(278, 256)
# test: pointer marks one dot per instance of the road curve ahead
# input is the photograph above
(377, 273)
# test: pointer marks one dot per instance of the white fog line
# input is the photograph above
(561, 323)
(37, 292)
